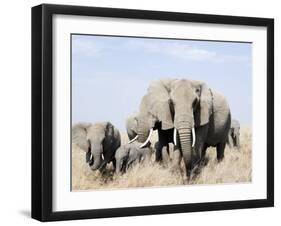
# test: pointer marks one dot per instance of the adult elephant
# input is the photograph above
(100, 142)
(132, 132)
(200, 117)
(155, 114)
(234, 134)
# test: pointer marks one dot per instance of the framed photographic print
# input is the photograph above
(146, 112)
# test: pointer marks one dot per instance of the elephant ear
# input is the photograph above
(109, 130)
(79, 135)
(162, 111)
(205, 105)
(132, 123)
(159, 102)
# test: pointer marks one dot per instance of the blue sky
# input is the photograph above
(111, 74)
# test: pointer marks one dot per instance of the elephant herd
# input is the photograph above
(186, 113)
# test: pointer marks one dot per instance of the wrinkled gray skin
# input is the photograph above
(234, 134)
(196, 105)
(132, 125)
(100, 142)
(128, 154)
(155, 113)
(184, 104)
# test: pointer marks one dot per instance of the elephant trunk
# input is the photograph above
(186, 147)
(119, 162)
(238, 141)
(118, 167)
(142, 134)
(97, 161)
(147, 139)
(186, 134)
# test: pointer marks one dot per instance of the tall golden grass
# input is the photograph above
(235, 168)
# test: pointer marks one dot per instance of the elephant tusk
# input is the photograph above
(193, 137)
(131, 141)
(148, 139)
(175, 136)
(91, 157)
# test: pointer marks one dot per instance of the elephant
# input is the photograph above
(234, 134)
(202, 118)
(187, 113)
(128, 154)
(100, 142)
(155, 114)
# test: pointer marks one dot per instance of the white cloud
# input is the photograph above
(190, 52)
(94, 48)
(183, 51)
(233, 58)
(86, 46)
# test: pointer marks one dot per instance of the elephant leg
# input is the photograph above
(168, 150)
(238, 141)
(198, 156)
(176, 160)
(106, 158)
(158, 153)
(165, 154)
(199, 151)
(230, 141)
(114, 163)
(102, 166)
(203, 152)
(220, 151)
(203, 159)
(177, 156)
(161, 139)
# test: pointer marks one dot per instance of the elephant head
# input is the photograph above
(192, 104)
(155, 111)
(132, 126)
(97, 140)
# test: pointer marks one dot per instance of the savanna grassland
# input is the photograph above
(235, 168)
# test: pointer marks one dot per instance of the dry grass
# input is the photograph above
(236, 167)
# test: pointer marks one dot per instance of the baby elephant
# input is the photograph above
(128, 154)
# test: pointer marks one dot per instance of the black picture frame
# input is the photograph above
(42, 107)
